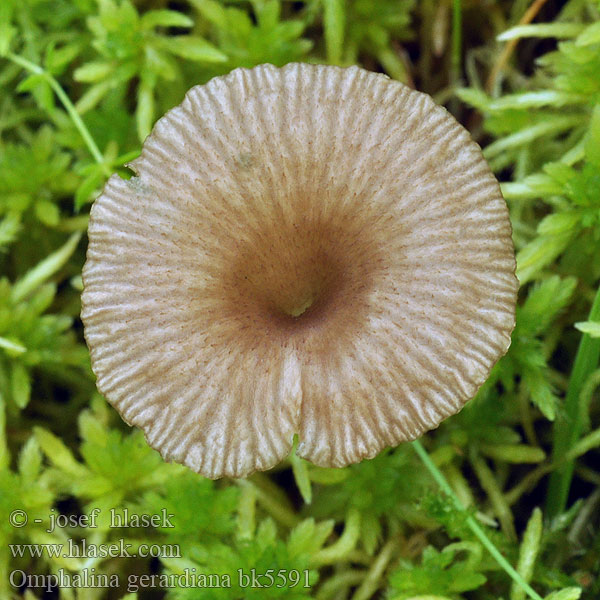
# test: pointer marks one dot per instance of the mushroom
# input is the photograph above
(307, 250)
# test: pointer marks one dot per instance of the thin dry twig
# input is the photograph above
(504, 57)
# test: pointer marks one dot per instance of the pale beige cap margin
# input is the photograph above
(271, 190)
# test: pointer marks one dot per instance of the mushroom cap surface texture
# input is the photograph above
(304, 250)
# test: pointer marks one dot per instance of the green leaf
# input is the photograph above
(7, 31)
(144, 113)
(202, 511)
(160, 64)
(194, 48)
(212, 11)
(514, 453)
(41, 300)
(93, 71)
(5, 457)
(542, 393)
(91, 184)
(31, 82)
(560, 172)
(439, 574)
(20, 385)
(538, 185)
(91, 429)
(552, 125)
(559, 223)
(544, 30)
(592, 139)
(539, 253)
(165, 18)
(476, 98)
(301, 475)
(334, 22)
(47, 212)
(571, 593)
(544, 302)
(13, 348)
(290, 30)
(10, 227)
(528, 552)
(327, 476)
(371, 533)
(57, 59)
(58, 454)
(266, 533)
(591, 35)
(538, 98)
(43, 94)
(93, 96)
(45, 269)
(30, 460)
(308, 537)
(592, 328)
(77, 283)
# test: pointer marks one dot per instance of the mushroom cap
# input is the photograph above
(304, 250)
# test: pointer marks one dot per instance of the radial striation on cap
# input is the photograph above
(304, 250)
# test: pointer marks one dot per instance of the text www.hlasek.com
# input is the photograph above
(86, 550)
